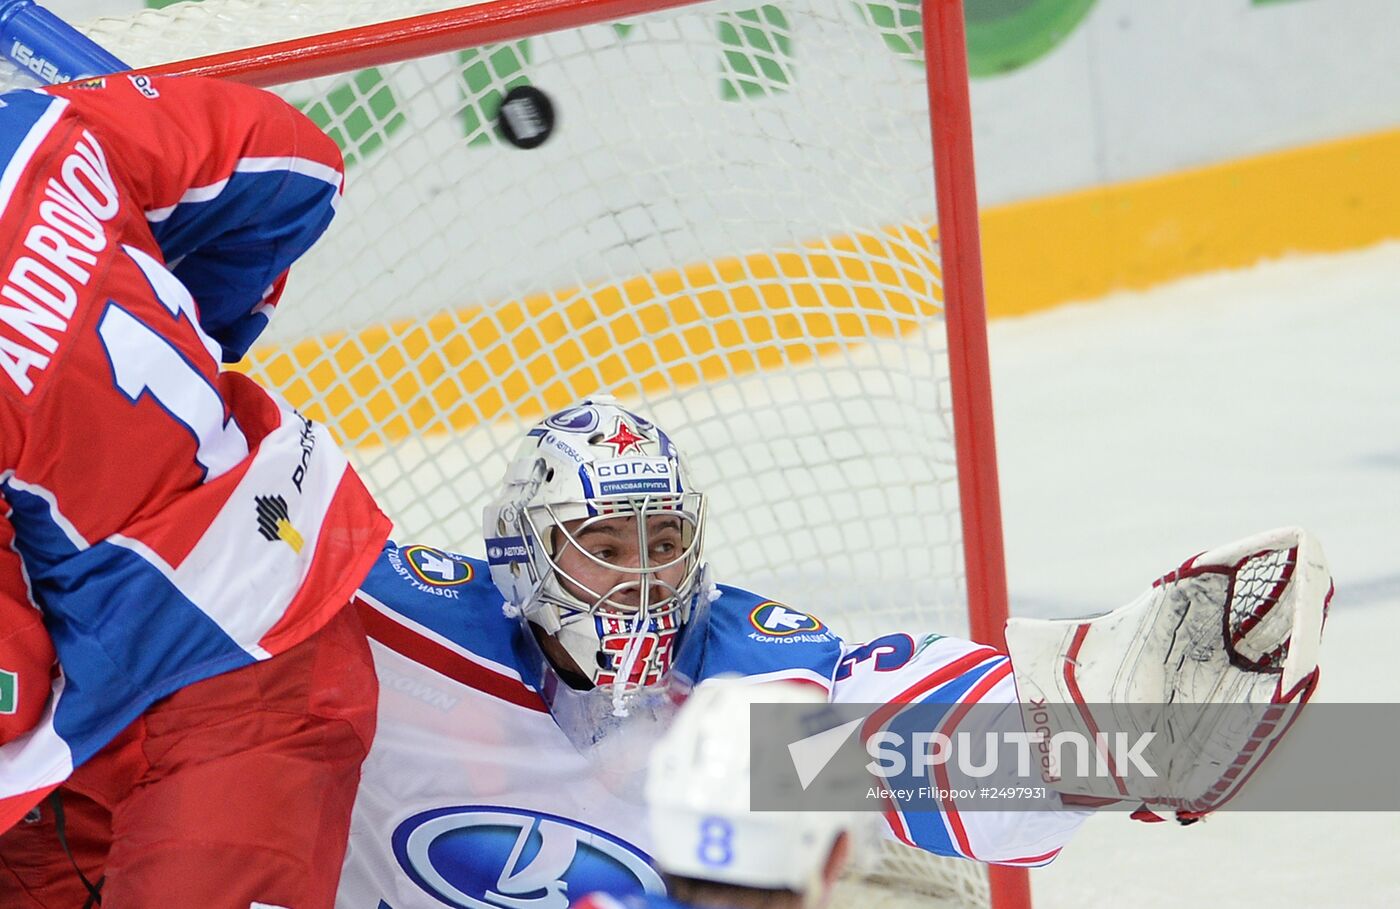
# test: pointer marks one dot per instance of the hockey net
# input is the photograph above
(731, 227)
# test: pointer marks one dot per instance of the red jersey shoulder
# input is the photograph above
(200, 130)
(59, 210)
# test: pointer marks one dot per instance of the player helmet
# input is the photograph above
(596, 537)
(697, 791)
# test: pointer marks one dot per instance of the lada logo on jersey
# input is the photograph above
(926, 642)
(779, 621)
(275, 524)
(485, 857)
(436, 568)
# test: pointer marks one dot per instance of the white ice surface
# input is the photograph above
(1136, 431)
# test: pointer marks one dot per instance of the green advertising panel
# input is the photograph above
(1005, 35)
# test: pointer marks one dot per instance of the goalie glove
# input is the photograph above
(1181, 694)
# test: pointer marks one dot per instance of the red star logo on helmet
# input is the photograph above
(624, 438)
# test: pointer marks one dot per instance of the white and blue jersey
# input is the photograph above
(942, 679)
(473, 796)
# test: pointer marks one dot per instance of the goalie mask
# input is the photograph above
(596, 538)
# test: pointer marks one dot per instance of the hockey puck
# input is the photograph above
(526, 117)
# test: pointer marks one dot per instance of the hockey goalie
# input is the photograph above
(508, 764)
(520, 695)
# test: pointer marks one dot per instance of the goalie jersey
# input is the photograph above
(473, 796)
(169, 521)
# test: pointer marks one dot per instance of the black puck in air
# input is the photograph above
(526, 117)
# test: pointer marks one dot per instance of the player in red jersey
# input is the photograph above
(189, 540)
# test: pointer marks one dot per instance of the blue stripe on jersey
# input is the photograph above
(236, 338)
(926, 826)
(127, 637)
(25, 121)
(22, 109)
(123, 633)
(41, 541)
(230, 249)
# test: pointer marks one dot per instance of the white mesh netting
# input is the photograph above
(731, 228)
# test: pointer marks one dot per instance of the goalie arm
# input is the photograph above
(930, 684)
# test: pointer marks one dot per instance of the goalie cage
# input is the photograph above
(731, 225)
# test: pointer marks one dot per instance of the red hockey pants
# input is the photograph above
(233, 792)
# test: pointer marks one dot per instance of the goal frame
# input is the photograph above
(950, 129)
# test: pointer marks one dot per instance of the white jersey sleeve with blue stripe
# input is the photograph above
(945, 677)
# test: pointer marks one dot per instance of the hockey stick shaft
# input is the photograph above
(47, 48)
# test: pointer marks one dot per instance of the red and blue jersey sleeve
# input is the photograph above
(234, 183)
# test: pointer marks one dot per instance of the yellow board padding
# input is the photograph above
(1327, 197)
(670, 329)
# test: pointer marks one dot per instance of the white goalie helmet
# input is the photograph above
(597, 538)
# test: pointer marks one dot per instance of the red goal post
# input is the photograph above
(963, 307)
